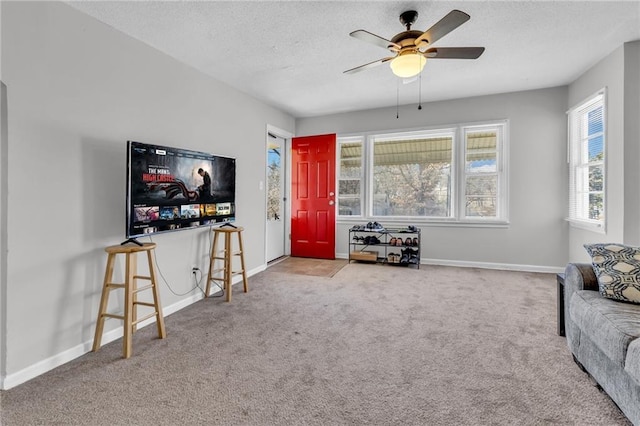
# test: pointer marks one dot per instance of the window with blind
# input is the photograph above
(452, 174)
(586, 162)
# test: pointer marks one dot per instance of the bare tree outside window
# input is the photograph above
(350, 179)
(274, 196)
(481, 174)
(412, 177)
(448, 174)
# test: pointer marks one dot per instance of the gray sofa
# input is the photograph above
(604, 338)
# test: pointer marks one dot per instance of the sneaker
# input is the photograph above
(376, 226)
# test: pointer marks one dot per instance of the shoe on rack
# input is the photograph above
(374, 240)
(376, 226)
(408, 242)
(416, 243)
(392, 241)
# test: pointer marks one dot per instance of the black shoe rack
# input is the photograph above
(392, 246)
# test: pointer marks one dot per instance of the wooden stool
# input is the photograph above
(131, 291)
(226, 270)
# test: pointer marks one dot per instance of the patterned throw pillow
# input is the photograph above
(617, 268)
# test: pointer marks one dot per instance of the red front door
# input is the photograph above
(313, 180)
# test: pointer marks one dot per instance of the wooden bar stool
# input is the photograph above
(131, 291)
(225, 273)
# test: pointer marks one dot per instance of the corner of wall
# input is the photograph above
(4, 135)
(3, 216)
(631, 134)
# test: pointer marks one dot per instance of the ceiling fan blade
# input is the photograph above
(450, 22)
(375, 39)
(454, 52)
(369, 65)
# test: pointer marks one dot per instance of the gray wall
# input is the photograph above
(619, 73)
(77, 91)
(537, 236)
(632, 143)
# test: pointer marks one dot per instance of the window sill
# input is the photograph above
(587, 226)
(453, 223)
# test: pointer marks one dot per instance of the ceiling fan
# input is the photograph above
(412, 47)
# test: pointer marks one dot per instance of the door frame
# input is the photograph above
(287, 136)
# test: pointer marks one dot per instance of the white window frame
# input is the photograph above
(501, 172)
(363, 181)
(384, 137)
(579, 216)
(457, 209)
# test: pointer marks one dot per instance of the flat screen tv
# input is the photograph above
(171, 189)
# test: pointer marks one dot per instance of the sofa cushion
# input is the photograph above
(632, 363)
(612, 326)
(618, 270)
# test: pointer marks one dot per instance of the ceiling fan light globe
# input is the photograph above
(406, 66)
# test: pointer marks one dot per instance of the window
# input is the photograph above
(412, 175)
(450, 174)
(350, 177)
(275, 185)
(586, 162)
(482, 173)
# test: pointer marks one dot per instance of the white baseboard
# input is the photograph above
(39, 368)
(488, 265)
(483, 265)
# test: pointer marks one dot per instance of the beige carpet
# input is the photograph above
(308, 266)
(374, 345)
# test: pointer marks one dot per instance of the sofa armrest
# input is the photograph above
(580, 276)
(577, 277)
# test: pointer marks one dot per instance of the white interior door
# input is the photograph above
(276, 196)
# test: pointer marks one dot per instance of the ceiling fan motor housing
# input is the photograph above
(406, 39)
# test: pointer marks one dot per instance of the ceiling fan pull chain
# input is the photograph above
(397, 98)
(420, 91)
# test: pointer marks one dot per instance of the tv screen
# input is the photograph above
(171, 189)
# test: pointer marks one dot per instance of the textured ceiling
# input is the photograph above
(292, 54)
